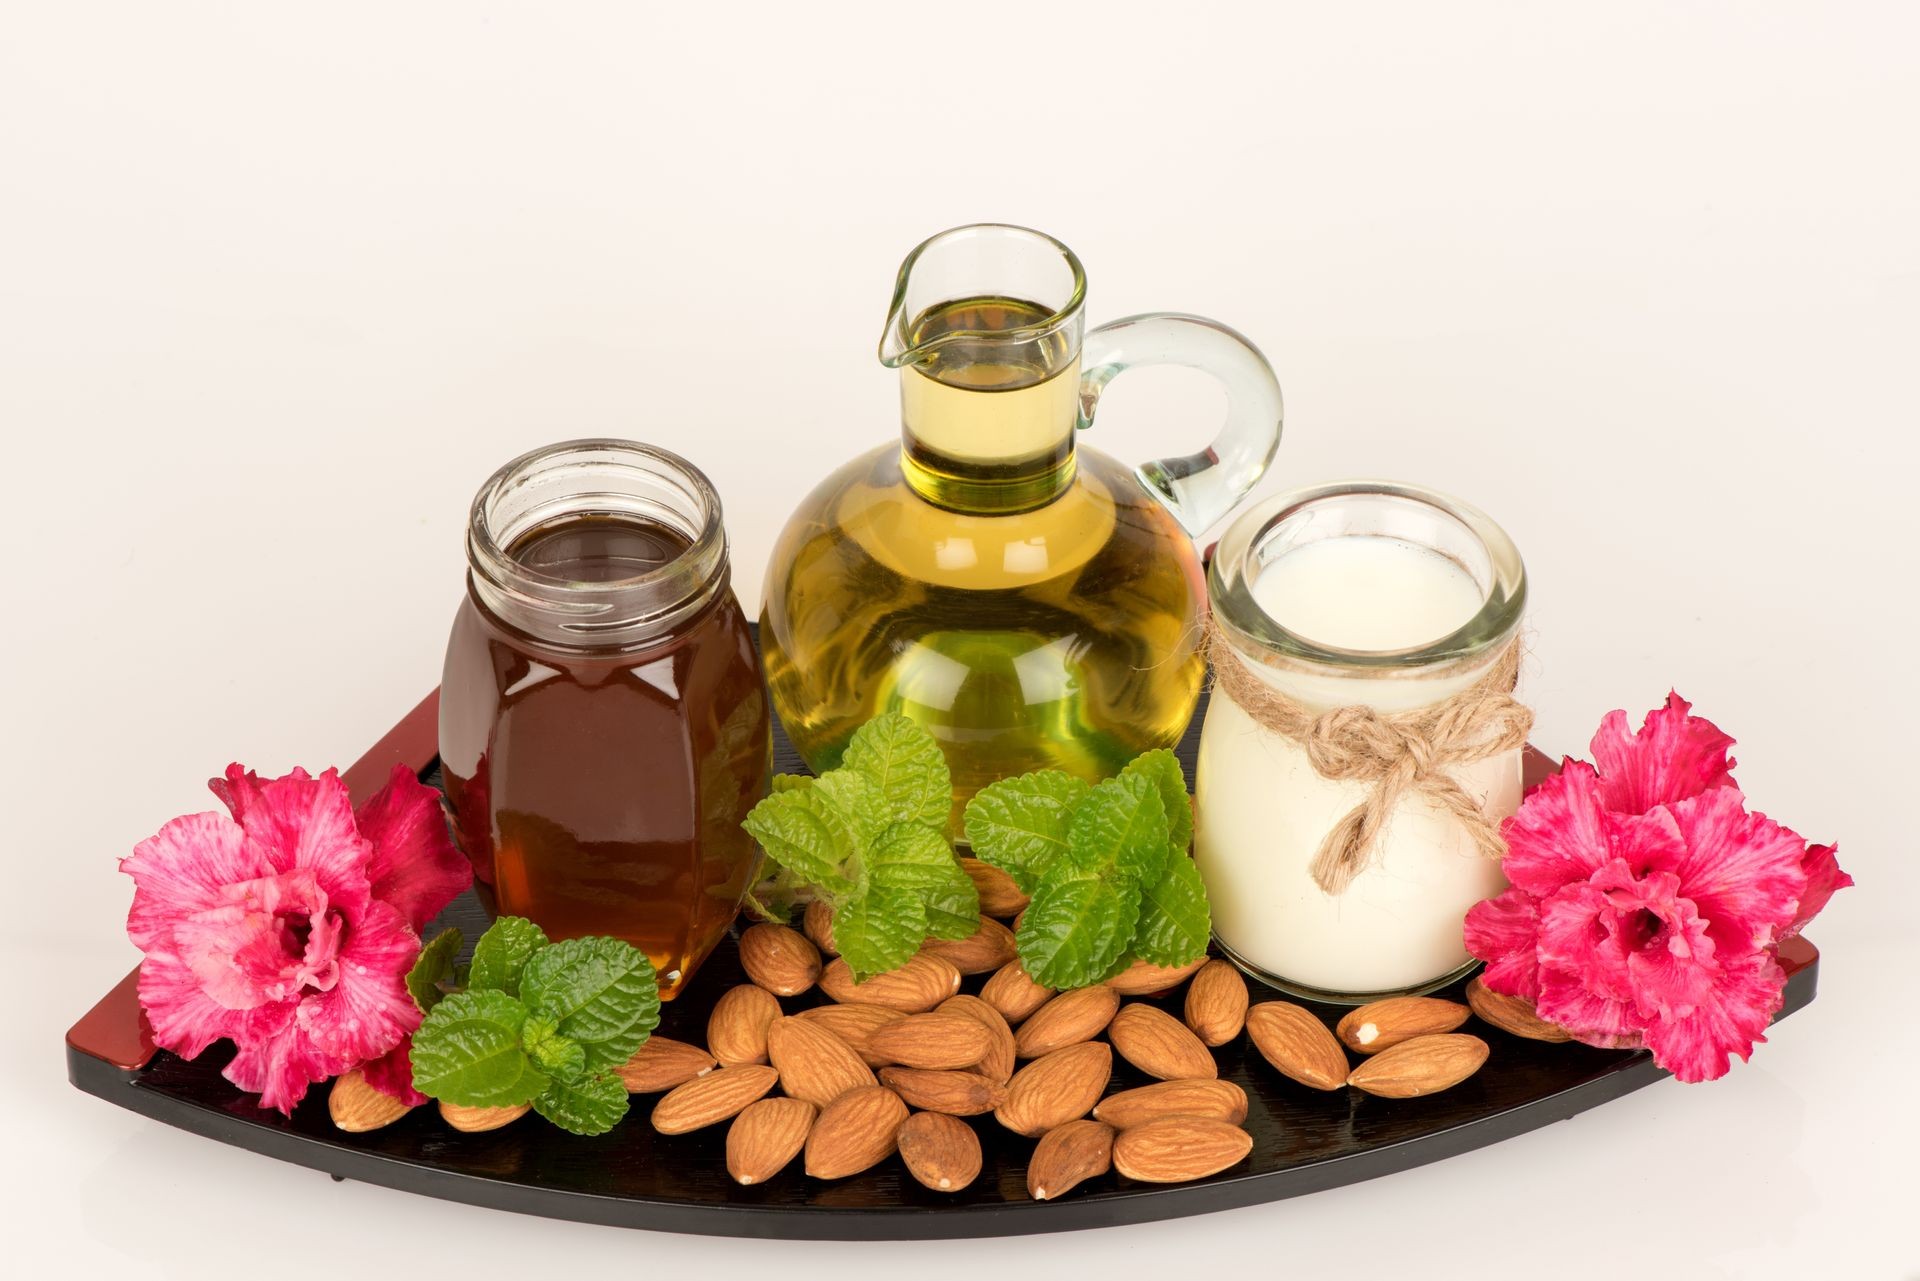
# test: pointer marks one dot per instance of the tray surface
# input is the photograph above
(1304, 1140)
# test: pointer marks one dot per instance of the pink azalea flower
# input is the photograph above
(1646, 898)
(288, 925)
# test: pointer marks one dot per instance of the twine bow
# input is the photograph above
(1396, 754)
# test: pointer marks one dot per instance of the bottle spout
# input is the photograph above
(985, 262)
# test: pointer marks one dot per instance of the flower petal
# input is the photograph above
(392, 1074)
(1824, 877)
(1591, 1018)
(1559, 834)
(1673, 756)
(1742, 870)
(303, 821)
(1504, 932)
(248, 950)
(1731, 1018)
(414, 866)
(183, 1017)
(369, 1010)
(183, 868)
(277, 1059)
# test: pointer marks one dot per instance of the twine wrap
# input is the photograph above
(1396, 754)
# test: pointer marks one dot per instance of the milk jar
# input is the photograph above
(1373, 595)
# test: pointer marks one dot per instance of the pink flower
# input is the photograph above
(1646, 897)
(288, 926)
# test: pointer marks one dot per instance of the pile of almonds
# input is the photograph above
(894, 1064)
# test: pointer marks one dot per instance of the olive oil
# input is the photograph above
(1028, 603)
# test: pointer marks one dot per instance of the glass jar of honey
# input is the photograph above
(604, 725)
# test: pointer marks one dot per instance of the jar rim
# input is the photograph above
(605, 476)
(1238, 557)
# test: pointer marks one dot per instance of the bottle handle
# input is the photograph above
(1199, 488)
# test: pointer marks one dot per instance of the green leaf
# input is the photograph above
(1076, 928)
(905, 766)
(953, 907)
(433, 967)
(598, 991)
(916, 860)
(1120, 827)
(589, 1105)
(1174, 919)
(1019, 825)
(858, 803)
(467, 1052)
(805, 832)
(791, 782)
(558, 1056)
(879, 931)
(1163, 768)
(501, 954)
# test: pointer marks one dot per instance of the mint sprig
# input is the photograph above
(539, 1023)
(869, 838)
(1106, 868)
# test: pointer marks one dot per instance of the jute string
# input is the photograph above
(1395, 754)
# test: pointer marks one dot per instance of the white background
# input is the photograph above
(280, 285)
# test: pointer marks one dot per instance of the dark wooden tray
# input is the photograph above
(1304, 1140)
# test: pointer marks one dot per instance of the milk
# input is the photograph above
(1263, 809)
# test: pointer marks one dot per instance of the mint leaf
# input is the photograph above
(433, 967)
(1077, 927)
(558, 1056)
(879, 931)
(805, 832)
(953, 908)
(1162, 767)
(598, 991)
(1019, 825)
(502, 953)
(1174, 919)
(857, 801)
(904, 765)
(1121, 826)
(467, 1052)
(917, 860)
(590, 1105)
(791, 782)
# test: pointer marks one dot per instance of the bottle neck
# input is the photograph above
(989, 438)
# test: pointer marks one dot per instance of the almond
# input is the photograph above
(1012, 993)
(813, 1063)
(779, 959)
(998, 1062)
(817, 921)
(1056, 1088)
(854, 1024)
(999, 896)
(1159, 1044)
(1068, 1019)
(1142, 979)
(479, 1120)
(1513, 1014)
(713, 1098)
(357, 1107)
(765, 1136)
(987, 948)
(662, 1063)
(937, 1041)
(737, 1028)
(954, 1093)
(1298, 1044)
(919, 985)
(1380, 1025)
(1067, 1156)
(1175, 1149)
(1200, 1096)
(1423, 1065)
(1217, 1003)
(941, 1152)
(856, 1131)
